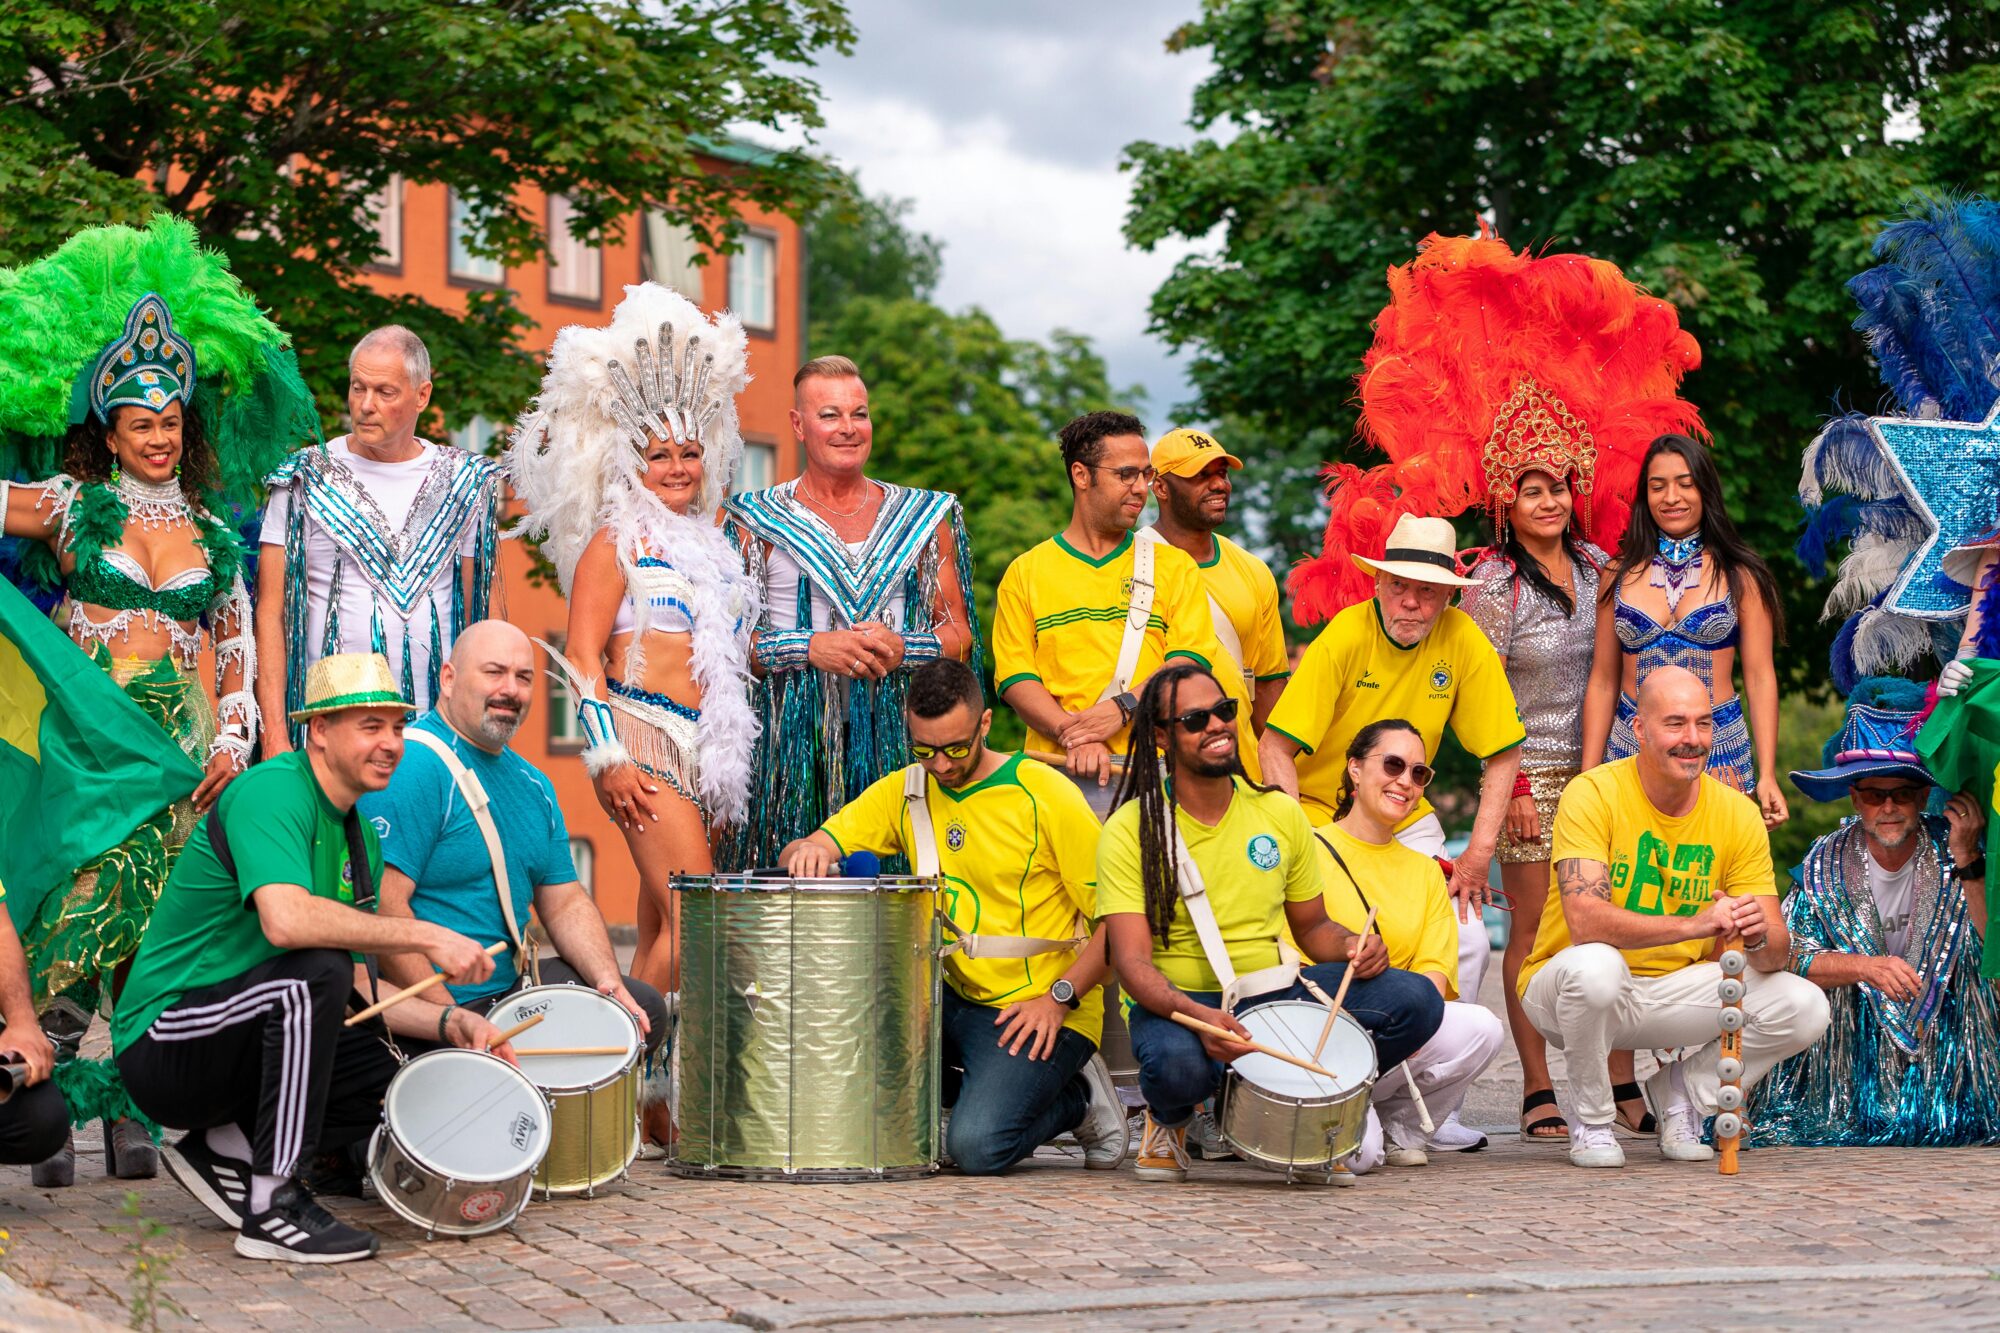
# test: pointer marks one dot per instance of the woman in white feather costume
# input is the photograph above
(622, 462)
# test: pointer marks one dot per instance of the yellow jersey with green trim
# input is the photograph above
(1354, 674)
(1018, 854)
(1061, 618)
(1247, 592)
(1658, 865)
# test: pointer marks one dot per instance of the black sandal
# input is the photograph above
(1631, 1092)
(1534, 1129)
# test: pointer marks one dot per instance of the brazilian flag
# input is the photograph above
(80, 765)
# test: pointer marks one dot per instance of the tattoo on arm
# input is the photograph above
(1578, 878)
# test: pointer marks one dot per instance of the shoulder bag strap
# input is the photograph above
(476, 801)
(1137, 612)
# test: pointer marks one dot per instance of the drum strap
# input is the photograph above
(924, 860)
(1137, 612)
(525, 960)
(1194, 896)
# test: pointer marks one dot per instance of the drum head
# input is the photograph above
(571, 1016)
(1293, 1026)
(467, 1115)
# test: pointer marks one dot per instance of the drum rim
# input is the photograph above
(829, 884)
(378, 1145)
(545, 1132)
(1374, 1055)
(638, 1043)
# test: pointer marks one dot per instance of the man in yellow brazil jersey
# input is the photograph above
(1654, 863)
(1016, 845)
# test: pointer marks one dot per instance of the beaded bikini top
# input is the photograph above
(1690, 642)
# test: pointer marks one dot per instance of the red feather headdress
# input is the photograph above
(1488, 365)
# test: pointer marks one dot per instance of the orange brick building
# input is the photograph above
(424, 232)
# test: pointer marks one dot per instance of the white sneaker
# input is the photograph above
(1680, 1127)
(1104, 1134)
(1205, 1139)
(1594, 1145)
(1398, 1153)
(1451, 1136)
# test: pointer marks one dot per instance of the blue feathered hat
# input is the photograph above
(1878, 740)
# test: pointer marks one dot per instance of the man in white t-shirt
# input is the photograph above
(376, 542)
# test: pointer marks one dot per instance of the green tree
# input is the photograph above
(1732, 158)
(269, 123)
(862, 245)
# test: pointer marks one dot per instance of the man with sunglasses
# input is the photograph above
(1016, 845)
(1886, 915)
(1086, 616)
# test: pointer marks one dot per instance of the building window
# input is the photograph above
(671, 258)
(576, 267)
(758, 468)
(585, 859)
(565, 732)
(385, 207)
(475, 436)
(753, 282)
(465, 231)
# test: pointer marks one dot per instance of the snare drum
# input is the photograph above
(1284, 1118)
(808, 1046)
(595, 1097)
(462, 1133)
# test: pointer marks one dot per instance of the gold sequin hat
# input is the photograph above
(350, 680)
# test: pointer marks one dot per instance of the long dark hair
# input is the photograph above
(1363, 745)
(1149, 764)
(1507, 544)
(1719, 541)
(87, 452)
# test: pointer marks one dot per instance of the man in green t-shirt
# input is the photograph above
(230, 1023)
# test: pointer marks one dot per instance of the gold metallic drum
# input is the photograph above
(809, 1039)
(595, 1097)
(1283, 1118)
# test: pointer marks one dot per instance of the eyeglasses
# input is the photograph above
(1127, 476)
(1394, 766)
(1875, 796)
(1196, 719)
(956, 751)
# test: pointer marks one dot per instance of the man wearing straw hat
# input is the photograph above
(230, 1023)
(1407, 653)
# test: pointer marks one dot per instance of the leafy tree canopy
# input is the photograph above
(269, 123)
(1733, 158)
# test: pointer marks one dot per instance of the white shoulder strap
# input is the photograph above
(924, 860)
(1225, 634)
(1194, 896)
(477, 802)
(1137, 612)
(924, 855)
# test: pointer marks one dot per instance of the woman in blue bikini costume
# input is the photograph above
(1685, 591)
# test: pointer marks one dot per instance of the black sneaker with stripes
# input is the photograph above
(220, 1184)
(296, 1230)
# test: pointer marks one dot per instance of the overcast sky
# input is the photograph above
(1002, 120)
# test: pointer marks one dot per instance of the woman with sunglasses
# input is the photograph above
(1385, 778)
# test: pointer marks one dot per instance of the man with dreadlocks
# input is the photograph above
(1195, 850)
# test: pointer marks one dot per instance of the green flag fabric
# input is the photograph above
(80, 765)
(1960, 744)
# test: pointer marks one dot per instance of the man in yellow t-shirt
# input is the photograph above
(1191, 482)
(1653, 863)
(1016, 847)
(1254, 852)
(34, 1122)
(1060, 627)
(1407, 653)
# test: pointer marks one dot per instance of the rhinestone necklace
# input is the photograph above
(1677, 568)
(154, 504)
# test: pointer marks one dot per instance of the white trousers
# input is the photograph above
(1457, 1053)
(1588, 1004)
(1475, 946)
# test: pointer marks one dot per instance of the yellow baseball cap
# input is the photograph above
(1184, 453)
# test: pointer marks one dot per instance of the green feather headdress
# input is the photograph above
(58, 314)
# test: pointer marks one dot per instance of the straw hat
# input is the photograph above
(350, 680)
(1423, 549)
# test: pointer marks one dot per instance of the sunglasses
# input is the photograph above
(956, 751)
(1196, 719)
(1394, 766)
(1875, 796)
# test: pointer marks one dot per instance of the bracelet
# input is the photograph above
(1521, 785)
(1973, 869)
(444, 1018)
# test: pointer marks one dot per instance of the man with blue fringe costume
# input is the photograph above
(1886, 915)
(375, 542)
(147, 394)
(861, 582)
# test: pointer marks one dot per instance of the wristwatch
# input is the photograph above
(1128, 704)
(1064, 993)
(1973, 869)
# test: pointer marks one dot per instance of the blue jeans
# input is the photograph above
(1008, 1105)
(1400, 1010)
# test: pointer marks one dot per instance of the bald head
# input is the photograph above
(485, 689)
(1675, 726)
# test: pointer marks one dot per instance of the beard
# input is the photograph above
(1187, 512)
(497, 726)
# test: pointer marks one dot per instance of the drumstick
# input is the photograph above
(407, 991)
(1212, 1030)
(1056, 759)
(515, 1031)
(577, 1050)
(1346, 978)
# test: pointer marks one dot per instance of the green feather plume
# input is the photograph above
(58, 312)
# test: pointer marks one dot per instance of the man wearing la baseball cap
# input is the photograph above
(1192, 484)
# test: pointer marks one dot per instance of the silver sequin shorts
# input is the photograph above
(1546, 785)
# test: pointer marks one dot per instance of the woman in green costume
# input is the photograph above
(148, 576)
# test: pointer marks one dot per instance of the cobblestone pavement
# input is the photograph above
(1512, 1236)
